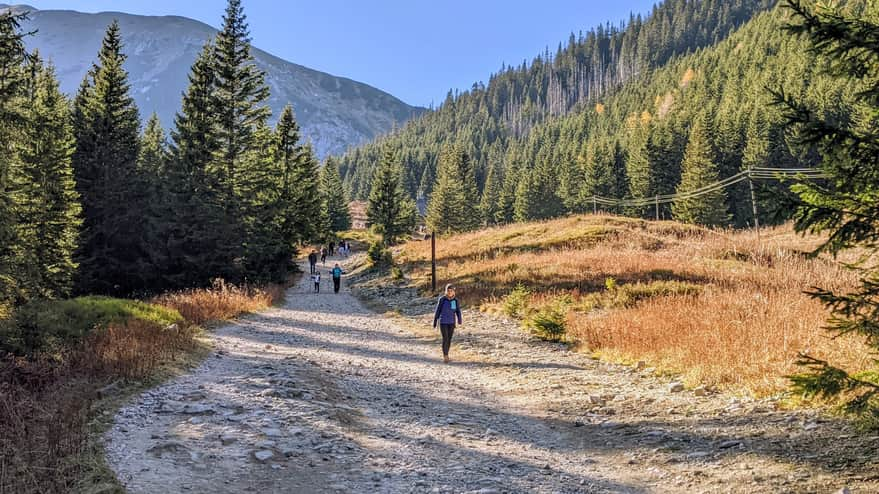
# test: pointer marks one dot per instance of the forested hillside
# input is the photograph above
(612, 114)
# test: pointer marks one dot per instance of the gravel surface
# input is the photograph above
(325, 395)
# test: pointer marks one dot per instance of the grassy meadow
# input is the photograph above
(719, 308)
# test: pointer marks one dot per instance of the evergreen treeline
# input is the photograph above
(612, 114)
(90, 204)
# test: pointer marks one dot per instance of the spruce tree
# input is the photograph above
(153, 150)
(389, 210)
(845, 206)
(239, 94)
(198, 231)
(489, 205)
(699, 170)
(333, 200)
(301, 196)
(638, 171)
(112, 256)
(526, 198)
(267, 254)
(47, 204)
(507, 199)
(453, 205)
(12, 84)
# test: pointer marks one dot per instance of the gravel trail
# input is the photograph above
(324, 395)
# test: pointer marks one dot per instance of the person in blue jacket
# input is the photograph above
(337, 277)
(448, 311)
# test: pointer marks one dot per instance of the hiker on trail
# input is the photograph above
(448, 310)
(316, 279)
(332, 247)
(323, 255)
(337, 278)
(312, 260)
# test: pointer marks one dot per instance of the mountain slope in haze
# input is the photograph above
(334, 112)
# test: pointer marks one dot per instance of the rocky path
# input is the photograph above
(324, 395)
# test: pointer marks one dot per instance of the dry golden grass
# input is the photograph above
(221, 302)
(742, 330)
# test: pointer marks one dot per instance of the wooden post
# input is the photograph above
(433, 261)
(656, 199)
(754, 202)
(594, 205)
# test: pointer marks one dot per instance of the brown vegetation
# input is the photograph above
(53, 403)
(721, 308)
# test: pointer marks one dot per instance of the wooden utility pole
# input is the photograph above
(754, 202)
(433, 261)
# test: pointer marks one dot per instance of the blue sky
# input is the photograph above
(414, 49)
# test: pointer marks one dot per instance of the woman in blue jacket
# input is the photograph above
(448, 310)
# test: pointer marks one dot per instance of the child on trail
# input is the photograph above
(337, 278)
(447, 311)
(312, 260)
(323, 255)
(316, 279)
(332, 248)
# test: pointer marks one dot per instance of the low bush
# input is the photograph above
(549, 322)
(516, 303)
(396, 273)
(379, 255)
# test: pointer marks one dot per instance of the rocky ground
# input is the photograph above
(326, 395)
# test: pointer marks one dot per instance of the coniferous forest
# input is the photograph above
(662, 104)
(96, 198)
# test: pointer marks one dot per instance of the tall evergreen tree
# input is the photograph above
(267, 253)
(301, 195)
(239, 93)
(198, 229)
(699, 170)
(638, 170)
(507, 199)
(47, 203)
(389, 209)
(489, 205)
(454, 205)
(333, 200)
(153, 150)
(12, 83)
(845, 206)
(112, 257)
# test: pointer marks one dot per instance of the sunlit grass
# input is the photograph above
(724, 308)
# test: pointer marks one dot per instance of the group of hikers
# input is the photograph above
(344, 249)
(448, 310)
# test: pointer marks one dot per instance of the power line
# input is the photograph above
(756, 173)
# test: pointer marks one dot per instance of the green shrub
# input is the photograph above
(548, 323)
(516, 303)
(51, 324)
(396, 273)
(379, 255)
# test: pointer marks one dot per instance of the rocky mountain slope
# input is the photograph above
(334, 112)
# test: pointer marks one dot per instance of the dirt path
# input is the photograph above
(324, 395)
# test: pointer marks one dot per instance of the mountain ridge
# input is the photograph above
(335, 112)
